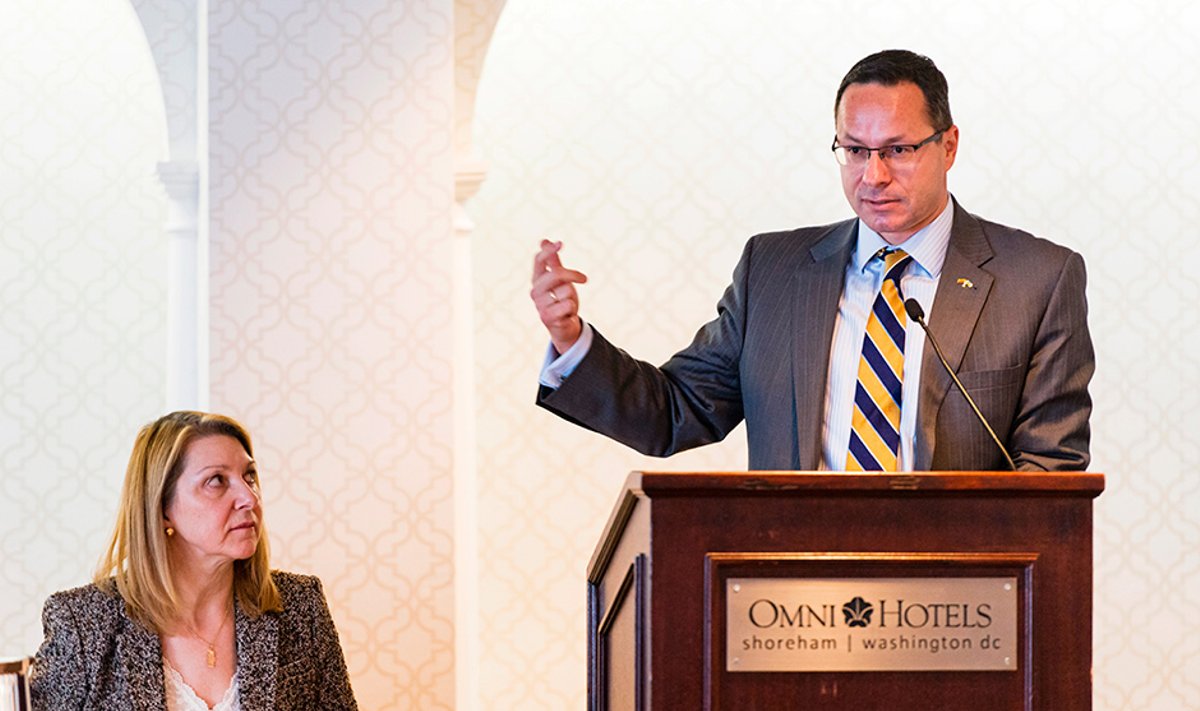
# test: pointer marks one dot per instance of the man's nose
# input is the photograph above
(876, 170)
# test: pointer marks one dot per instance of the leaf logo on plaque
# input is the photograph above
(858, 612)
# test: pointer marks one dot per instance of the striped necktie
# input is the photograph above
(875, 427)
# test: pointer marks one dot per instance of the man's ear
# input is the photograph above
(949, 144)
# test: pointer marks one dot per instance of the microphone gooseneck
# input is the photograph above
(916, 313)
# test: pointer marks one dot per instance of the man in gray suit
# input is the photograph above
(787, 350)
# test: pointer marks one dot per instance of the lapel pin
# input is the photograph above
(965, 283)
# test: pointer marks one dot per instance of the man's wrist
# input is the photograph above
(560, 364)
(562, 344)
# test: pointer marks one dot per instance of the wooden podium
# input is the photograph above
(678, 547)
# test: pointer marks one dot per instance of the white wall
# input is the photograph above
(654, 138)
(331, 175)
(82, 288)
(331, 148)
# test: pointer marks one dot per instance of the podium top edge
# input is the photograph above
(662, 482)
(901, 486)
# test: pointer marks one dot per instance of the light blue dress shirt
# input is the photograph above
(864, 277)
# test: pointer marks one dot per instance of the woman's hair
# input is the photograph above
(137, 558)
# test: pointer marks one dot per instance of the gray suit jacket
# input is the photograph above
(95, 657)
(1017, 339)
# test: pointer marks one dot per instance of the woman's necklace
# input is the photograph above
(211, 655)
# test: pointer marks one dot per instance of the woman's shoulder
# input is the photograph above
(295, 583)
(298, 593)
(82, 622)
(91, 599)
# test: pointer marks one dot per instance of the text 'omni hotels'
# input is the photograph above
(871, 624)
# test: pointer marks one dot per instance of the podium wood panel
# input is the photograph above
(656, 628)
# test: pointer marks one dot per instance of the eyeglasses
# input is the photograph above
(899, 154)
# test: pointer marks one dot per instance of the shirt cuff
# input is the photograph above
(556, 368)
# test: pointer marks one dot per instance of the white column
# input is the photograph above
(468, 628)
(181, 180)
(177, 33)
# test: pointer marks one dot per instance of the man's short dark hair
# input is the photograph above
(894, 66)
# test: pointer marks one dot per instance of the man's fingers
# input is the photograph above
(557, 311)
(552, 248)
(547, 257)
(556, 278)
(553, 293)
(561, 294)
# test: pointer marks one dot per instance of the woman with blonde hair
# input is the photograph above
(184, 612)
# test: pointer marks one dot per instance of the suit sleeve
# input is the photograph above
(693, 399)
(57, 678)
(1051, 431)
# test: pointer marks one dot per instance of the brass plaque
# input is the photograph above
(871, 624)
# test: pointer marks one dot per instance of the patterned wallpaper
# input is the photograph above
(331, 148)
(82, 280)
(655, 139)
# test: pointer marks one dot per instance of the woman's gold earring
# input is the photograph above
(170, 532)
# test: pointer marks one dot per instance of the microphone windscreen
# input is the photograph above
(914, 310)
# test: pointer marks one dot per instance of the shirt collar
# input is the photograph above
(927, 246)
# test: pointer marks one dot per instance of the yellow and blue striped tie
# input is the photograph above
(875, 427)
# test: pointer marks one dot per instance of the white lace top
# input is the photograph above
(181, 697)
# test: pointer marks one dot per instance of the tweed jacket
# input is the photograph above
(1010, 315)
(95, 657)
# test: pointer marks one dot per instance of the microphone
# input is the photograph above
(916, 313)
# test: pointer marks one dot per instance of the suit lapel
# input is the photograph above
(257, 646)
(956, 310)
(817, 288)
(140, 653)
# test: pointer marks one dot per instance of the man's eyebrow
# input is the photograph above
(894, 140)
